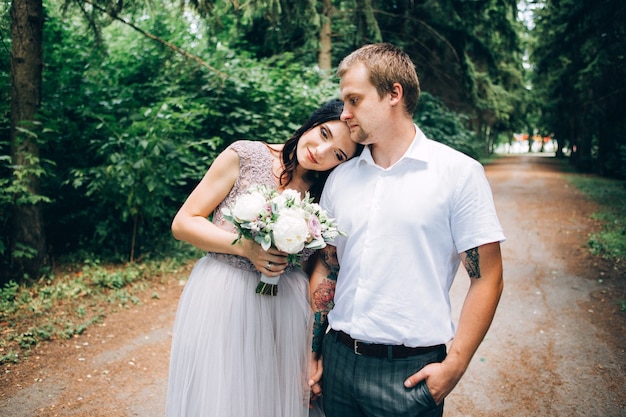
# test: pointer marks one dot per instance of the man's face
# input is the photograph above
(364, 111)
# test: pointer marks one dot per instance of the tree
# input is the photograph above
(128, 122)
(580, 73)
(325, 55)
(135, 122)
(28, 243)
(467, 53)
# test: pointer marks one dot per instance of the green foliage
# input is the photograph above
(269, 99)
(8, 295)
(610, 242)
(22, 305)
(264, 28)
(580, 77)
(115, 279)
(128, 126)
(467, 53)
(134, 127)
(440, 124)
(59, 307)
(11, 357)
(16, 190)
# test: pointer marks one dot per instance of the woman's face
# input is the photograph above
(325, 146)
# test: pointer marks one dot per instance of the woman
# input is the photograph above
(236, 353)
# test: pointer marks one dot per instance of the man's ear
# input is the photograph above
(395, 95)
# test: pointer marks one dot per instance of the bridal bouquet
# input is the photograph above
(286, 221)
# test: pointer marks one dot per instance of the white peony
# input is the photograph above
(290, 231)
(288, 198)
(249, 207)
(293, 195)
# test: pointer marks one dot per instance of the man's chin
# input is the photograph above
(358, 137)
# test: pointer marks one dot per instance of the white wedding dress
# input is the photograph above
(236, 353)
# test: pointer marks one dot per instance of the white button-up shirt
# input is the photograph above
(406, 227)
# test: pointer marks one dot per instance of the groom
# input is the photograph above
(413, 210)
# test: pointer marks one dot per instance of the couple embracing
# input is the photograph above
(379, 340)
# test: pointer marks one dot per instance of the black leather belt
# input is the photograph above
(382, 351)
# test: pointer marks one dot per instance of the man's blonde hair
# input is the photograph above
(387, 64)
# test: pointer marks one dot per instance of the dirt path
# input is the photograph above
(556, 347)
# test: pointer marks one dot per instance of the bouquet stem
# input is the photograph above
(267, 285)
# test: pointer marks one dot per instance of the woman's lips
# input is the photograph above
(311, 157)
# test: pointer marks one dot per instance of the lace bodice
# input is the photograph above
(255, 167)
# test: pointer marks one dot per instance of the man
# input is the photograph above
(413, 210)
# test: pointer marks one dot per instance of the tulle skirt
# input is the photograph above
(236, 353)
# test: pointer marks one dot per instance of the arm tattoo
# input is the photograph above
(471, 263)
(330, 261)
(322, 298)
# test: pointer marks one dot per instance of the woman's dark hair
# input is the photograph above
(328, 112)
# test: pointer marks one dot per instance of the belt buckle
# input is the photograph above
(356, 348)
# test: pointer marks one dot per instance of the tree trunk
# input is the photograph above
(325, 56)
(28, 245)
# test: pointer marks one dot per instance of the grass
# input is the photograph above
(72, 298)
(610, 242)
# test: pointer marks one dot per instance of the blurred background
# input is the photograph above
(112, 111)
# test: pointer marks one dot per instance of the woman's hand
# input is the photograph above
(315, 380)
(271, 262)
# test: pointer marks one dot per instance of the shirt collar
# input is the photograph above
(418, 150)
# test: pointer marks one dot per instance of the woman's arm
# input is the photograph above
(191, 223)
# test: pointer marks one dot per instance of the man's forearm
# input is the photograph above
(322, 290)
(320, 323)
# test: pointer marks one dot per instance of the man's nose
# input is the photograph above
(345, 115)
